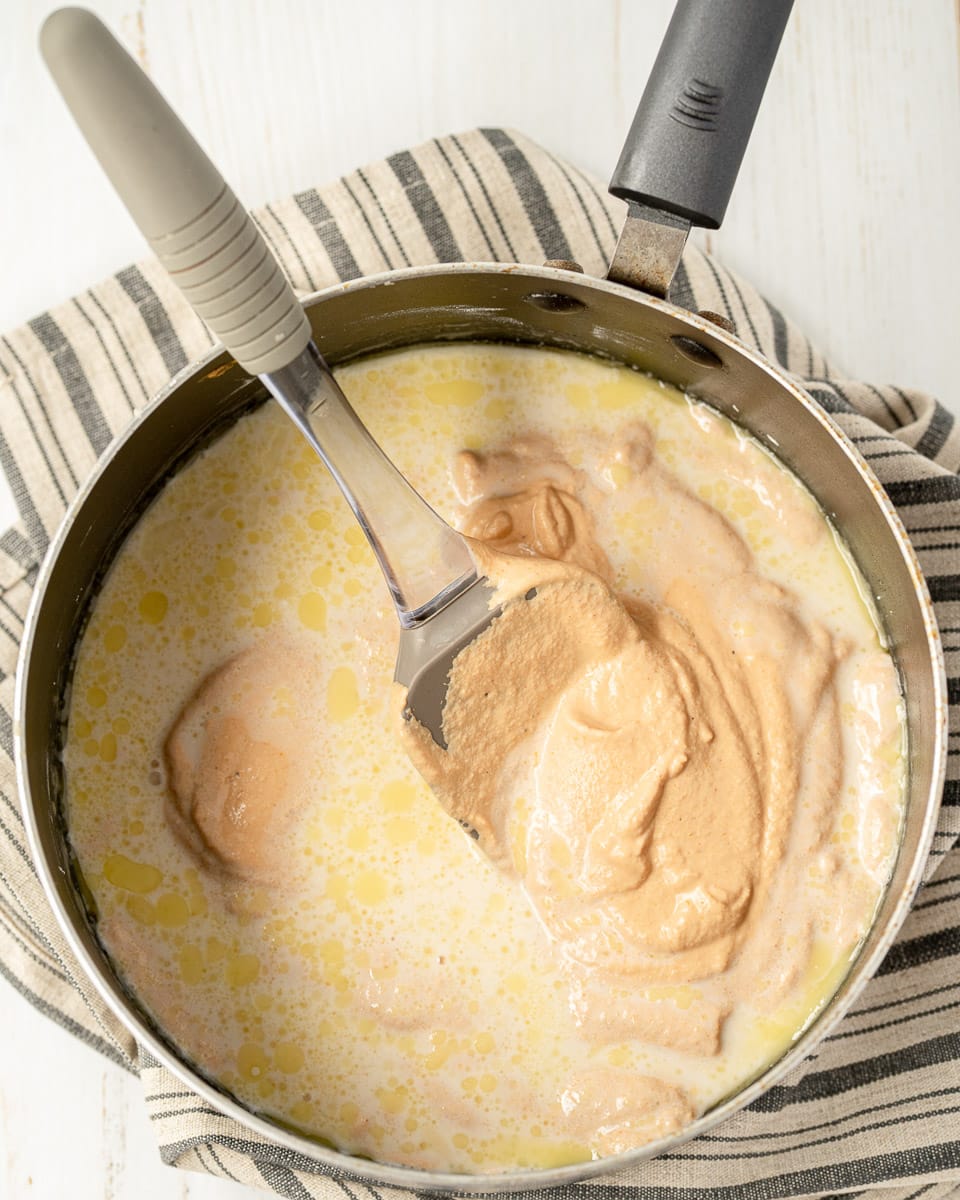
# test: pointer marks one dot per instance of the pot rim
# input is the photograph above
(818, 1025)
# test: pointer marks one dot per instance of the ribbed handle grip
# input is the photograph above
(192, 220)
(685, 145)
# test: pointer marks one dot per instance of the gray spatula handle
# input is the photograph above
(687, 140)
(192, 220)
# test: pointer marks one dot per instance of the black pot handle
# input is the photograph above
(685, 145)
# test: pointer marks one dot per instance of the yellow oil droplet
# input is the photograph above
(263, 615)
(457, 392)
(288, 1057)
(196, 897)
(349, 1113)
(358, 554)
(617, 394)
(242, 969)
(115, 638)
(398, 796)
(252, 1061)
(343, 699)
(392, 1100)
(319, 519)
(358, 838)
(487, 1083)
(216, 950)
(142, 911)
(443, 1048)
(135, 828)
(352, 587)
(302, 1113)
(401, 830)
(497, 409)
(312, 611)
(263, 1002)
(529, 1152)
(619, 1056)
(370, 887)
(744, 505)
(172, 911)
(96, 696)
(108, 747)
(484, 1043)
(153, 607)
(580, 396)
(121, 726)
(516, 984)
(226, 568)
(354, 536)
(460, 1140)
(321, 576)
(191, 964)
(131, 876)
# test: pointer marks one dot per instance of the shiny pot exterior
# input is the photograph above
(493, 302)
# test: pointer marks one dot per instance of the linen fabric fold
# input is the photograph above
(876, 1111)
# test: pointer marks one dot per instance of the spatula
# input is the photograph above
(217, 256)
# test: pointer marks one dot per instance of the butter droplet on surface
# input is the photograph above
(288, 1057)
(242, 969)
(312, 611)
(131, 876)
(343, 700)
(172, 911)
(115, 638)
(153, 607)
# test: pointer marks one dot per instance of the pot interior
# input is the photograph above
(509, 304)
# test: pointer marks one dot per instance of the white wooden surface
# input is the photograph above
(846, 213)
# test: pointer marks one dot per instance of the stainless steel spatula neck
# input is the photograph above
(441, 600)
(426, 563)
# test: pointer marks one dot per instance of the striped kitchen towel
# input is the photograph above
(877, 1110)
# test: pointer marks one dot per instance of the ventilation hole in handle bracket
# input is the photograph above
(696, 351)
(557, 302)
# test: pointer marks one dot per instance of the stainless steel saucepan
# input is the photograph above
(677, 170)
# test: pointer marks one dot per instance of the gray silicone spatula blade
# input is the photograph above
(219, 259)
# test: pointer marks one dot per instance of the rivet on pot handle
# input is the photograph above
(192, 220)
(687, 140)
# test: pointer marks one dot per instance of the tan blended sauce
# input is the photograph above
(681, 758)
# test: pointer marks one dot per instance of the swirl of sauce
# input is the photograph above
(639, 765)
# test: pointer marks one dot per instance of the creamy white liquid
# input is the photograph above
(372, 978)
